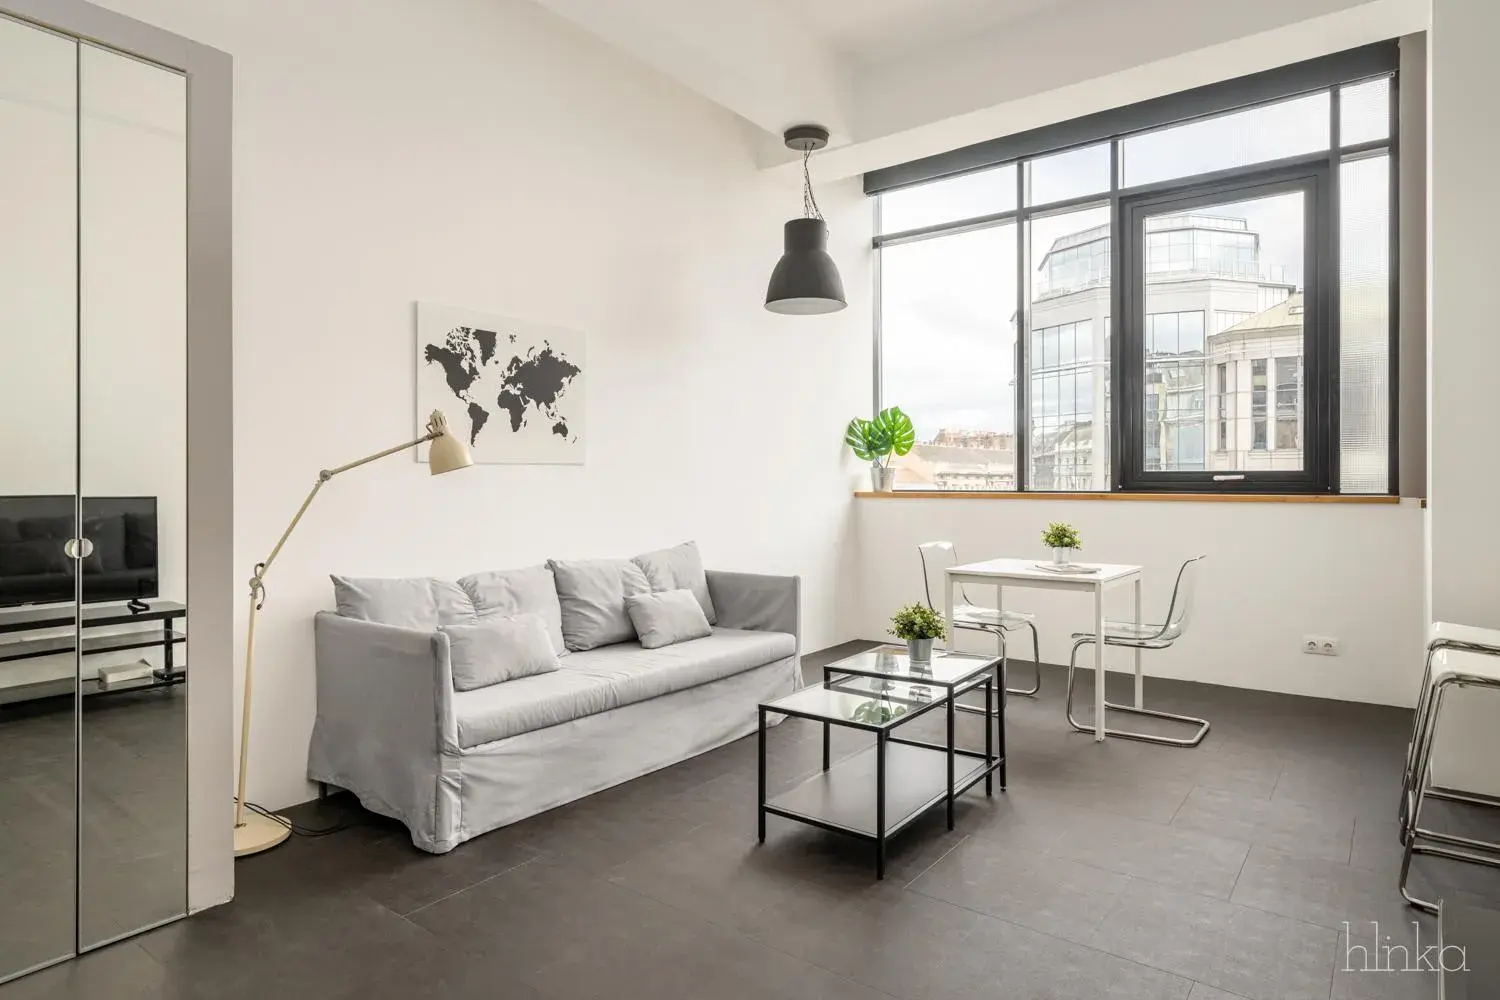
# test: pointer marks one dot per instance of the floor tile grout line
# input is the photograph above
(956, 844)
(752, 938)
(472, 885)
(1066, 941)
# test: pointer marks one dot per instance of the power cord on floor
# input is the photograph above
(298, 829)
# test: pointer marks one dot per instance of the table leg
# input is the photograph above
(948, 609)
(880, 745)
(951, 698)
(1000, 696)
(989, 738)
(1000, 632)
(1099, 663)
(1140, 681)
(826, 747)
(760, 792)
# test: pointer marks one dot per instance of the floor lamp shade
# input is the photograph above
(447, 453)
(806, 281)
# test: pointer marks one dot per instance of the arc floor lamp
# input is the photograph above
(255, 831)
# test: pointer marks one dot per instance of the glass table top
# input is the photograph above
(947, 669)
(864, 701)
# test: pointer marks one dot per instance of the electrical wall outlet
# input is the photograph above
(1320, 645)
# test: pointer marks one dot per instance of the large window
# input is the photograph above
(1200, 306)
(948, 338)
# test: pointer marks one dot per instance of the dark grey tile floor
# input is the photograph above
(1120, 870)
(133, 870)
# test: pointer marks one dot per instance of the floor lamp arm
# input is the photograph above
(258, 600)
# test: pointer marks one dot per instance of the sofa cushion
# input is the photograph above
(592, 593)
(419, 602)
(598, 680)
(518, 591)
(666, 618)
(498, 649)
(679, 568)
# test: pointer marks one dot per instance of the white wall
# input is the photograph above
(1464, 354)
(484, 153)
(1275, 572)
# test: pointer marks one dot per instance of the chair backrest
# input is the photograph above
(1181, 607)
(936, 557)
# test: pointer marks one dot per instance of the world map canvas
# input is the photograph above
(513, 390)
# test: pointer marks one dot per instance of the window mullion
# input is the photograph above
(1023, 336)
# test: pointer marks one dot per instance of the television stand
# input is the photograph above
(19, 621)
(136, 605)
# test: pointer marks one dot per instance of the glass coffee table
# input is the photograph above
(879, 791)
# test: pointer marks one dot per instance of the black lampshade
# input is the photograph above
(806, 281)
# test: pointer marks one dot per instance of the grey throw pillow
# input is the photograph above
(679, 568)
(419, 602)
(667, 617)
(592, 593)
(498, 649)
(518, 591)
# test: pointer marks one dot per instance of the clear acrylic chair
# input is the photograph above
(1133, 636)
(936, 558)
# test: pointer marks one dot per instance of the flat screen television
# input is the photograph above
(34, 568)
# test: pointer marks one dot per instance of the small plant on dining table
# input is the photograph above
(1061, 536)
(917, 621)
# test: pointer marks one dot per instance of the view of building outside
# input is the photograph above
(1224, 333)
(1214, 304)
(1223, 338)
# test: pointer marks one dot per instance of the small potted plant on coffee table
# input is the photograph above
(918, 625)
(1063, 540)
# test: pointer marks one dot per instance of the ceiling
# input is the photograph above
(866, 30)
(897, 80)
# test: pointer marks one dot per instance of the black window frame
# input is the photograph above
(1319, 334)
(1320, 430)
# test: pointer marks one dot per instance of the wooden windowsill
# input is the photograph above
(1162, 497)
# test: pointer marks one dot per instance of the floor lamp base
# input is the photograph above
(258, 833)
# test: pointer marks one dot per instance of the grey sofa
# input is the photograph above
(452, 764)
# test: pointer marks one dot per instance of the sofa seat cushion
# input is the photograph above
(597, 680)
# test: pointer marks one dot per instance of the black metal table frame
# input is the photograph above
(883, 737)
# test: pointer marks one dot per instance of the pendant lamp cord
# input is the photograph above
(809, 200)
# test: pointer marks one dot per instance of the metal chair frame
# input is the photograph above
(1462, 638)
(1418, 787)
(997, 630)
(1164, 636)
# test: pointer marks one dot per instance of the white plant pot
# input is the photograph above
(1062, 557)
(919, 650)
(882, 479)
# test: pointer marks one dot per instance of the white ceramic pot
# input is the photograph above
(1062, 557)
(919, 650)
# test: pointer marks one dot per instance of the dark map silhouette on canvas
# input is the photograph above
(502, 390)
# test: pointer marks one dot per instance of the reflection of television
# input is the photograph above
(35, 569)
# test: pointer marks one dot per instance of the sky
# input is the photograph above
(948, 303)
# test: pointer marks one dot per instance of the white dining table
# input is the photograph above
(1002, 573)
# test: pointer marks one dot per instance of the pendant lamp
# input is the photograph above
(806, 280)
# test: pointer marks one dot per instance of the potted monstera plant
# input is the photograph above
(875, 441)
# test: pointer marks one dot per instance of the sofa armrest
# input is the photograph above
(757, 602)
(382, 690)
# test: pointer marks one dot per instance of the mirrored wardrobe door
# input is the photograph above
(133, 480)
(38, 495)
